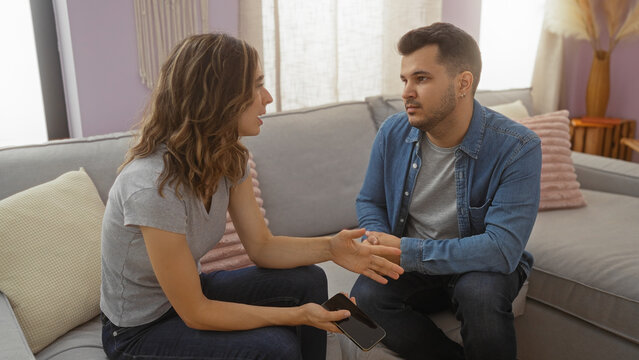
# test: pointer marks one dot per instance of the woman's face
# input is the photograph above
(250, 122)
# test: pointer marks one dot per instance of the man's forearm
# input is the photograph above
(459, 255)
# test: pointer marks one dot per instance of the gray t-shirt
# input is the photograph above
(130, 293)
(432, 213)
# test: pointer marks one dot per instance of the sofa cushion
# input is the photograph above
(586, 262)
(513, 110)
(229, 253)
(606, 174)
(559, 186)
(82, 343)
(100, 156)
(12, 341)
(323, 168)
(50, 256)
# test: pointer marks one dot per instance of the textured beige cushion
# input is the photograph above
(50, 256)
(559, 186)
(229, 253)
(514, 110)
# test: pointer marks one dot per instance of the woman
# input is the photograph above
(167, 208)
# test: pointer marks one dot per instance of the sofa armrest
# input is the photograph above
(606, 174)
(13, 344)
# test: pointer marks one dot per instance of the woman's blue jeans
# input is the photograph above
(169, 338)
(482, 301)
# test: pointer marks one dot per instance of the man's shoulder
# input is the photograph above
(500, 125)
(395, 122)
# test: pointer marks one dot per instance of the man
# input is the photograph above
(455, 186)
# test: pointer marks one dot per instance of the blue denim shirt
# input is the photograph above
(497, 179)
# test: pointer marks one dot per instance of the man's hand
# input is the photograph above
(380, 238)
(364, 258)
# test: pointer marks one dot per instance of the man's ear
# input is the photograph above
(465, 82)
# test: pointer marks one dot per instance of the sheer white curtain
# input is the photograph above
(508, 38)
(323, 51)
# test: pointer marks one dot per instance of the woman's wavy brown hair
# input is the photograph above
(204, 86)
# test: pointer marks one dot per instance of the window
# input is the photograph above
(346, 51)
(508, 38)
(22, 118)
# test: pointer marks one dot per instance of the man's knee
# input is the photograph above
(365, 292)
(485, 290)
(372, 296)
(483, 302)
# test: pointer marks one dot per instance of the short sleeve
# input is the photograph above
(146, 207)
(250, 166)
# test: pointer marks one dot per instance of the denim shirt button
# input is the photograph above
(115, 333)
(414, 165)
(406, 193)
(401, 220)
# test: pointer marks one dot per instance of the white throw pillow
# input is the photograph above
(514, 110)
(50, 256)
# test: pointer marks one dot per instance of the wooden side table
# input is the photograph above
(602, 136)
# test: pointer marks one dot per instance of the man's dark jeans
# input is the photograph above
(482, 301)
(169, 338)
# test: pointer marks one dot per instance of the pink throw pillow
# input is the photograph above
(559, 186)
(229, 253)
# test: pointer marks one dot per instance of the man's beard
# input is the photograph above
(447, 105)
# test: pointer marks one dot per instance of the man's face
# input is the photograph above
(429, 93)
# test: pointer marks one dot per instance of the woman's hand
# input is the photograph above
(364, 258)
(315, 315)
(380, 238)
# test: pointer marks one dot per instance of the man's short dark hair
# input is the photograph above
(458, 51)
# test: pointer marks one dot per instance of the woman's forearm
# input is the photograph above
(283, 252)
(228, 316)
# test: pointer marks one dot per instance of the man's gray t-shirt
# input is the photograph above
(130, 293)
(432, 213)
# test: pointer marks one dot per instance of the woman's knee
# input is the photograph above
(314, 282)
(271, 343)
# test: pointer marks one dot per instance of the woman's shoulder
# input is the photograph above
(139, 174)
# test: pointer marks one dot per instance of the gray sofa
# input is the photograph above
(583, 294)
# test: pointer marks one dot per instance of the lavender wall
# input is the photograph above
(624, 80)
(110, 93)
(466, 14)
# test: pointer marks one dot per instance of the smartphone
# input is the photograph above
(358, 327)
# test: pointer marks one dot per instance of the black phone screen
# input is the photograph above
(360, 328)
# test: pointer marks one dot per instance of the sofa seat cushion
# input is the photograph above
(586, 262)
(82, 343)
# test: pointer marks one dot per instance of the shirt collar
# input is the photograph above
(475, 134)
